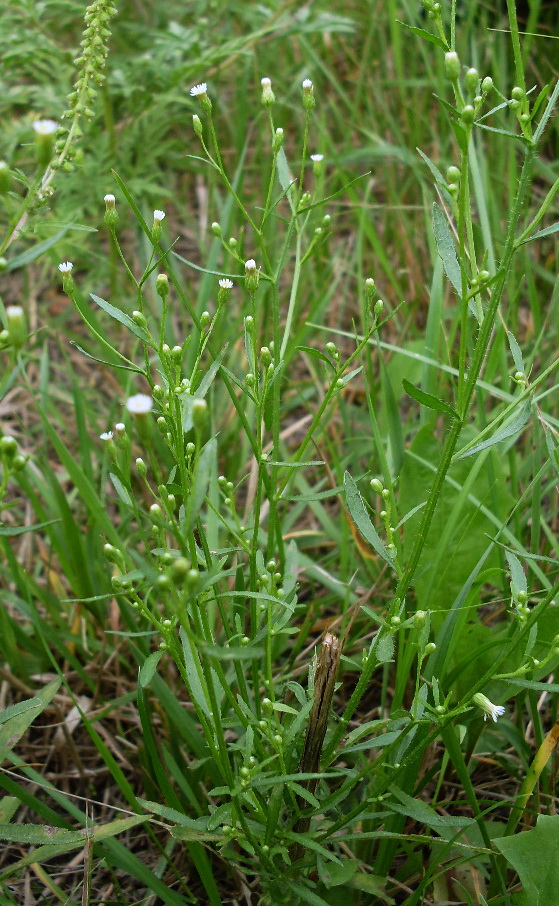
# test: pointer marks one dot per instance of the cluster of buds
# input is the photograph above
(12, 460)
(385, 515)
(476, 91)
(90, 64)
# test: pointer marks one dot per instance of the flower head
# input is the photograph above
(45, 127)
(250, 265)
(159, 216)
(226, 284)
(107, 435)
(317, 158)
(199, 90)
(308, 95)
(109, 199)
(66, 267)
(489, 709)
(140, 404)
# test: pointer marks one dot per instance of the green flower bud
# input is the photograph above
(471, 80)
(199, 414)
(162, 286)
(453, 174)
(252, 276)
(468, 115)
(5, 177)
(277, 141)
(111, 215)
(179, 570)
(8, 448)
(487, 84)
(44, 141)
(197, 125)
(16, 325)
(216, 228)
(517, 94)
(377, 485)
(308, 95)
(139, 319)
(452, 65)
(268, 96)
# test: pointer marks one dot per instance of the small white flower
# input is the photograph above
(107, 435)
(250, 265)
(66, 267)
(307, 85)
(489, 709)
(120, 427)
(158, 216)
(109, 199)
(202, 88)
(226, 284)
(45, 127)
(140, 404)
(266, 83)
(317, 158)
(16, 311)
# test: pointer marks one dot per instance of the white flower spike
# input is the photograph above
(488, 708)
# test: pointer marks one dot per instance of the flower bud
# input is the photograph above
(453, 174)
(468, 114)
(5, 177)
(197, 125)
(157, 229)
(216, 228)
(308, 95)
(44, 141)
(111, 215)
(377, 485)
(252, 276)
(452, 65)
(268, 96)
(162, 286)
(487, 84)
(8, 448)
(139, 319)
(471, 80)
(16, 325)
(278, 140)
(199, 414)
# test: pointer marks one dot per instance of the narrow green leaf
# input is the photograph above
(13, 729)
(361, 519)
(548, 231)
(10, 531)
(446, 249)
(36, 250)
(426, 35)
(122, 318)
(427, 399)
(149, 667)
(514, 427)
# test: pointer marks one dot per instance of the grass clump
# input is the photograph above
(279, 621)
